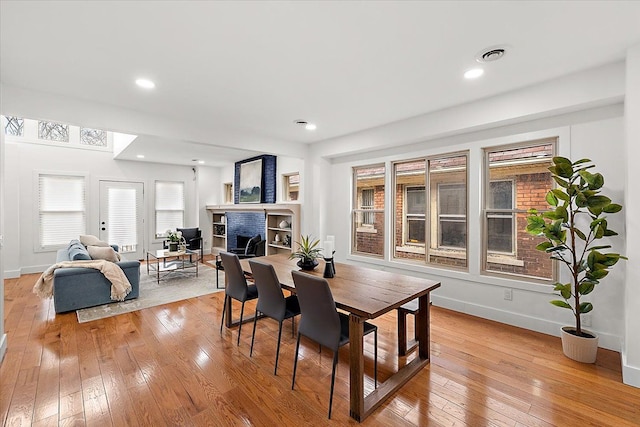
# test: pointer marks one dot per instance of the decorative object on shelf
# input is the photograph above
(307, 252)
(276, 239)
(284, 224)
(286, 241)
(570, 228)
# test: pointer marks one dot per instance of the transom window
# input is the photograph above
(94, 137)
(53, 131)
(14, 126)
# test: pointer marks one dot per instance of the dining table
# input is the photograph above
(367, 293)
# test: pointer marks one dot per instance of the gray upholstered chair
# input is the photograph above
(272, 302)
(322, 323)
(237, 287)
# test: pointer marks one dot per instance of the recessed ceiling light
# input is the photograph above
(473, 73)
(145, 83)
(306, 124)
(201, 162)
(140, 156)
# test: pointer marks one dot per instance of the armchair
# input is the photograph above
(249, 247)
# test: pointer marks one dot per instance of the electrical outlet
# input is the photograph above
(508, 294)
(586, 320)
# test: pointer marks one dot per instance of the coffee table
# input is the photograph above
(167, 262)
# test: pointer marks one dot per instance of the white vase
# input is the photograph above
(580, 349)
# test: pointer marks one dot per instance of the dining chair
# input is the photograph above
(272, 302)
(321, 322)
(237, 287)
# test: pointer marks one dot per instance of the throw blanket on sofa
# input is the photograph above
(120, 285)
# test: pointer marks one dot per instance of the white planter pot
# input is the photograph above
(578, 348)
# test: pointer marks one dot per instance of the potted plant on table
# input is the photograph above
(307, 252)
(175, 239)
(572, 228)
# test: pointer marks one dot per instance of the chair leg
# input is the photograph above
(293, 325)
(253, 335)
(295, 362)
(224, 308)
(240, 325)
(275, 369)
(333, 379)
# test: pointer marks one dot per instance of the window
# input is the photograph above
(410, 210)
(415, 212)
(169, 206)
(368, 212)
(53, 131)
(291, 185)
(500, 223)
(228, 192)
(517, 179)
(14, 126)
(448, 210)
(93, 137)
(452, 216)
(61, 209)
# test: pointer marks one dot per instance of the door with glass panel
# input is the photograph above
(121, 216)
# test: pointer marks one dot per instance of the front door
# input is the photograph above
(121, 216)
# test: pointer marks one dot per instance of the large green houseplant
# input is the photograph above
(572, 229)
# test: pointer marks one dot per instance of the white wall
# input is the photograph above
(3, 335)
(210, 192)
(631, 348)
(22, 159)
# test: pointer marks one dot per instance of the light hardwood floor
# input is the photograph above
(169, 365)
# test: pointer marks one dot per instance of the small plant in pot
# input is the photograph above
(307, 252)
(572, 227)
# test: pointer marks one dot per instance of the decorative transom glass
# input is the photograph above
(15, 126)
(53, 131)
(95, 137)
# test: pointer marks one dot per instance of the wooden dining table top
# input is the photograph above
(362, 291)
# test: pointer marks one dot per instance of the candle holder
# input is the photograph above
(329, 270)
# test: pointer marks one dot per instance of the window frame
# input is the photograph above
(406, 217)
(452, 217)
(356, 201)
(37, 235)
(514, 239)
(486, 174)
(286, 187)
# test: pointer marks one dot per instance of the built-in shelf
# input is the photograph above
(275, 214)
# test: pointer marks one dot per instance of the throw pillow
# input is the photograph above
(101, 252)
(89, 240)
(77, 252)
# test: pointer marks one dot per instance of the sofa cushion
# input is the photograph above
(78, 252)
(90, 240)
(106, 253)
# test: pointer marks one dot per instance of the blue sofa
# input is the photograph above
(75, 288)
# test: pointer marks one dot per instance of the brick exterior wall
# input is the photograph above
(373, 242)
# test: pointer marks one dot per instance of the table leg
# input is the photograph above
(147, 263)
(356, 368)
(423, 327)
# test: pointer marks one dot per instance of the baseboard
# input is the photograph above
(11, 274)
(34, 269)
(608, 341)
(630, 374)
(3, 346)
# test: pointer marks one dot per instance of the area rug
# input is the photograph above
(175, 287)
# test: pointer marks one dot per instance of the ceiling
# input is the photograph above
(242, 72)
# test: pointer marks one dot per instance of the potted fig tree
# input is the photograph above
(572, 229)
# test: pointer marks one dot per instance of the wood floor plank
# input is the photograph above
(169, 365)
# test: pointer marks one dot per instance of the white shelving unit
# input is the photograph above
(219, 237)
(275, 222)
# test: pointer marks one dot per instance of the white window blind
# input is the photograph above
(169, 206)
(123, 222)
(62, 209)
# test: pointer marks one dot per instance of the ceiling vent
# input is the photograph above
(491, 54)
